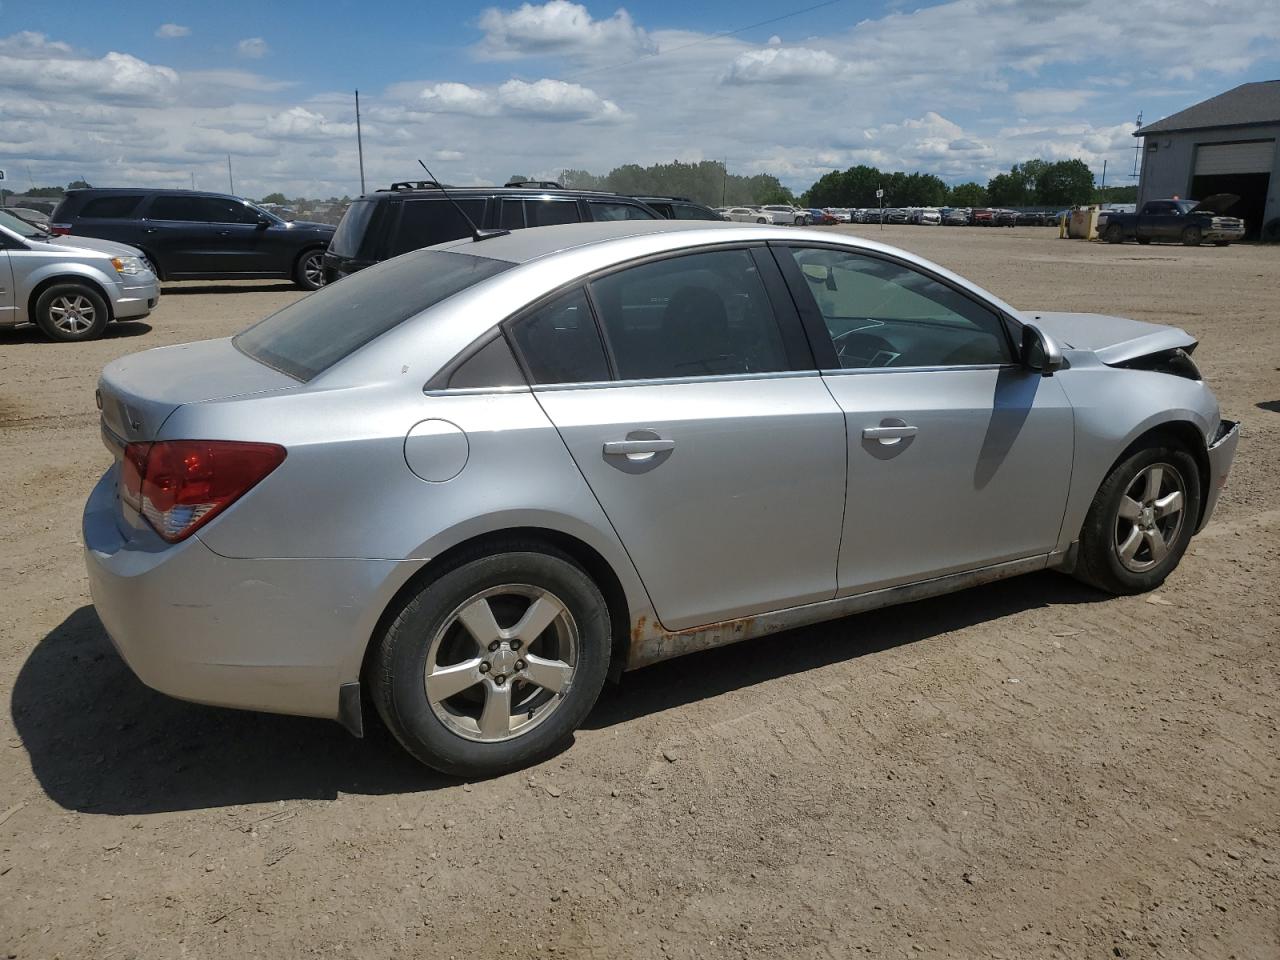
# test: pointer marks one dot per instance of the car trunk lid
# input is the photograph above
(1115, 340)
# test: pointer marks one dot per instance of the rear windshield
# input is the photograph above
(346, 239)
(308, 337)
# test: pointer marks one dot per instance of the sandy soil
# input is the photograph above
(1024, 770)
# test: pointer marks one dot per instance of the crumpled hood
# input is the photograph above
(1114, 339)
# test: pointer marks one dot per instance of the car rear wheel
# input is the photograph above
(1141, 520)
(1115, 233)
(1144, 240)
(1191, 236)
(493, 665)
(71, 312)
(309, 271)
(761, 220)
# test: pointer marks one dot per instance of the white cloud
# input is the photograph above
(252, 48)
(543, 100)
(458, 98)
(1051, 101)
(558, 27)
(31, 63)
(781, 65)
(171, 31)
(299, 123)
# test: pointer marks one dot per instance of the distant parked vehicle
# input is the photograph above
(190, 235)
(747, 215)
(1006, 218)
(982, 217)
(822, 218)
(897, 215)
(842, 214)
(1186, 221)
(928, 217)
(37, 218)
(784, 214)
(955, 217)
(680, 208)
(70, 287)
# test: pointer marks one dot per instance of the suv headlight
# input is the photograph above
(128, 266)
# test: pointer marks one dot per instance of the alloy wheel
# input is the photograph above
(502, 662)
(1149, 517)
(313, 269)
(72, 313)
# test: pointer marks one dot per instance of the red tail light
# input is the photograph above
(180, 485)
(60, 229)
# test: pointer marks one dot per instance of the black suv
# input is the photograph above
(418, 213)
(680, 208)
(190, 235)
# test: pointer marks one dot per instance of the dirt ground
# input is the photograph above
(1024, 770)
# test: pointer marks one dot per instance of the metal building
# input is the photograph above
(1226, 144)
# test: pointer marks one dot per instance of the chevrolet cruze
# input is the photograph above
(477, 480)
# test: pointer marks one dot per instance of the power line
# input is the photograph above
(714, 36)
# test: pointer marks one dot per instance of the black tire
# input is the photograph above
(397, 670)
(1099, 561)
(71, 312)
(1222, 243)
(1191, 236)
(1115, 233)
(1144, 240)
(308, 272)
(761, 220)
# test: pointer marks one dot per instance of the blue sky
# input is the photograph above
(963, 88)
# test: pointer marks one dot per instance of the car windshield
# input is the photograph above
(20, 226)
(311, 335)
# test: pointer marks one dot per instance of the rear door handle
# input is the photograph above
(888, 433)
(627, 448)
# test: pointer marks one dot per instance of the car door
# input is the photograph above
(958, 456)
(702, 429)
(179, 233)
(8, 300)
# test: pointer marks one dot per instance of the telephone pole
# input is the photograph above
(359, 141)
(231, 185)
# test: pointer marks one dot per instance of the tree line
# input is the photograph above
(706, 181)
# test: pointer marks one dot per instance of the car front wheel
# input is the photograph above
(493, 665)
(309, 272)
(1141, 520)
(71, 312)
(1191, 237)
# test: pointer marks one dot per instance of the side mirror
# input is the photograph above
(1040, 351)
(263, 223)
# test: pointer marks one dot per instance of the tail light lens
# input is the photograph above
(180, 485)
(60, 229)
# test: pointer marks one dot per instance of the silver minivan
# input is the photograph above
(70, 288)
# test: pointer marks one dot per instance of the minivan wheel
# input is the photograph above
(70, 312)
(1141, 520)
(492, 666)
(309, 272)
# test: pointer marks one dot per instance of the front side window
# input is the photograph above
(609, 210)
(884, 314)
(560, 342)
(424, 223)
(695, 315)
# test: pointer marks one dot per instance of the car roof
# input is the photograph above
(456, 192)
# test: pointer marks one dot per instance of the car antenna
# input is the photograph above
(476, 233)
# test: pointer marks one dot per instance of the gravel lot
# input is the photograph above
(1024, 770)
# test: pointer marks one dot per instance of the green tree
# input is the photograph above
(1126, 194)
(1063, 183)
(968, 195)
(521, 177)
(1007, 190)
(275, 198)
(45, 192)
(79, 185)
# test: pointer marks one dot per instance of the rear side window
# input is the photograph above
(611, 210)
(201, 210)
(690, 316)
(519, 213)
(351, 229)
(110, 207)
(688, 211)
(560, 342)
(311, 335)
(424, 223)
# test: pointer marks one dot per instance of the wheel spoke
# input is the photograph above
(495, 719)
(477, 618)
(445, 682)
(553, 675)
(1170, 504)
(1155, 477)
(540, 615)
(1130, 509)
(1131, 544)
(1155, 542)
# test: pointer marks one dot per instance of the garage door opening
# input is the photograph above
(1251, 188)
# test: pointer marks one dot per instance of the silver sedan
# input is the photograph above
(478, 480)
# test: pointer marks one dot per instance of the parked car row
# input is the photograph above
(953, 216)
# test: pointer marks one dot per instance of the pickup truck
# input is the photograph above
(1186, 221)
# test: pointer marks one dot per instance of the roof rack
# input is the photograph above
(539, 184)
(415, 185)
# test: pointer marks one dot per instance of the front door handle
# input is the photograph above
(888, 433)
(627, 448)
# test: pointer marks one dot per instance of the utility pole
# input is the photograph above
(1104, 178)
(231, 186)
(1137, 148)
(359, 142)
(724, 179)
(193, 179)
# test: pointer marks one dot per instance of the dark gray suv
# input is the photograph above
(414, 214)
(192, 235)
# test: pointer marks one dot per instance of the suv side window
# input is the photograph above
(883, 314)
(612, 210)
(427, 222)
(110, 207)
(687, 211)
(560, 342)
(518, 212)
(689, 316)
(200, 210)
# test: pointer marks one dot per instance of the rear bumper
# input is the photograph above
(1221, 453)
(279, 636)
